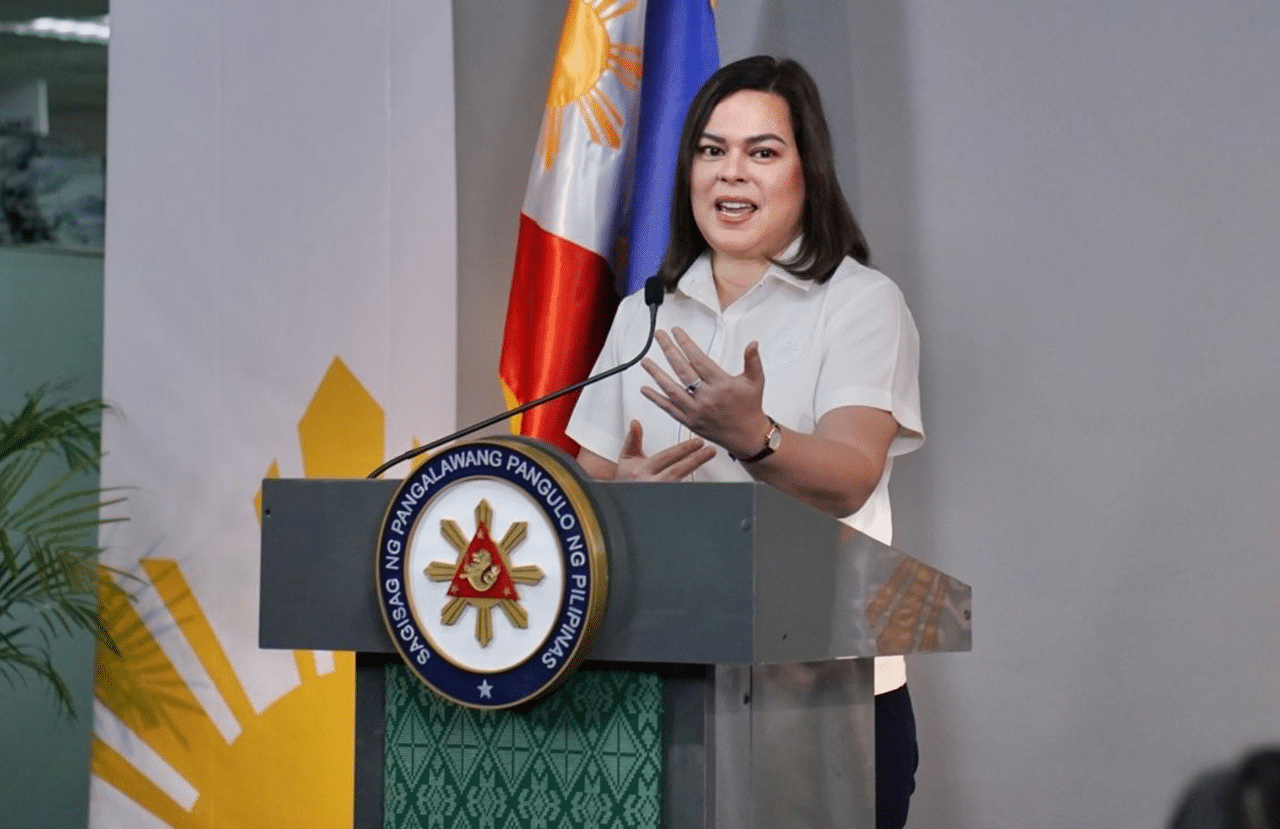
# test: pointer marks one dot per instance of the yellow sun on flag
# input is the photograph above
(291, 763)
(585, 54)
(291, 759)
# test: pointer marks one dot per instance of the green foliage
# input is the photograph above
(49, 570)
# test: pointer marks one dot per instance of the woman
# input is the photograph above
(768, 280)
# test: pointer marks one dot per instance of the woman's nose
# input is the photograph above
(732, 168)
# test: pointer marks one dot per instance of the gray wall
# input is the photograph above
(50, 335)
(1096, 190)
(1079, 201)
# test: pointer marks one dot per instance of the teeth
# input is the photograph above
(735, 205)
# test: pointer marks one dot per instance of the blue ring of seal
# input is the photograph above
(529, 678)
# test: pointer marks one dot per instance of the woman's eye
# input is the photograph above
(709, 150)
(765, 152)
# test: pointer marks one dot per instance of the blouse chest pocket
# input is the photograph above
(785, 352)
(790, 380)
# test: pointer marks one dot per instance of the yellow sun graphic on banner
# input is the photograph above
(292, 763)
(584, 56)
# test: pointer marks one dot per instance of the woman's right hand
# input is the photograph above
(671, 464)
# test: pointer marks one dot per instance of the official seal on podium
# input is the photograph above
(492, 571)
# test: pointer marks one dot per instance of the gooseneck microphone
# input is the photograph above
(653, 294)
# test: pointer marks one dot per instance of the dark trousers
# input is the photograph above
(896, 758)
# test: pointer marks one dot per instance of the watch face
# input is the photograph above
(775, 437)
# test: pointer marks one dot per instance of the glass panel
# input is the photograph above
(53, 124)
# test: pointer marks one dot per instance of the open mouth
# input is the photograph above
(735, 207)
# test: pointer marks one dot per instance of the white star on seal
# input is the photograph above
(484, 687)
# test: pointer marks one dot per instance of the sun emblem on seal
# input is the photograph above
(482, 576)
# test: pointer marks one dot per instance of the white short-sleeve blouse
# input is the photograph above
(850, 341)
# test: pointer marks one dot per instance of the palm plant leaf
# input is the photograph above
(59, 599)
(49, 570)
(55, 519)
(17, 660)
(69, 429)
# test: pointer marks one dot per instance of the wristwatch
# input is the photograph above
(771, 442)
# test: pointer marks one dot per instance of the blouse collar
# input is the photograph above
(699, 285)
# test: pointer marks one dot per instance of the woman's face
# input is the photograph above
(746, 182)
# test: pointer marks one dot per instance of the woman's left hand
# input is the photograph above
(723, 408)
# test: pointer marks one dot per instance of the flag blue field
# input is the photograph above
(680, 53)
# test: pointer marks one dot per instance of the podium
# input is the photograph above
(758, 612)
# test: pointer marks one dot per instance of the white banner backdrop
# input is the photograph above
(280, 300)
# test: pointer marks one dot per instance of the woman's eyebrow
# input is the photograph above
(750, 139)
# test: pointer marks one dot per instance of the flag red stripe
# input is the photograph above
(562, 302)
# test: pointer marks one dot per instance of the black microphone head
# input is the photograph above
(653, 291)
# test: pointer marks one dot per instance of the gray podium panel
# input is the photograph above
(759, 576)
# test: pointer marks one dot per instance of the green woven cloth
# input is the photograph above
(590, 755)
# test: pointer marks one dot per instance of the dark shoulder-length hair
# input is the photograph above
(829, 230)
